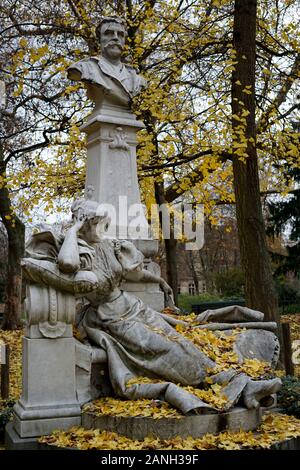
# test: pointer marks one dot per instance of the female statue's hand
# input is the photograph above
(167, 290)
(169, 299)
(79, 224)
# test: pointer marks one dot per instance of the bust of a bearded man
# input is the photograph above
(108, 78)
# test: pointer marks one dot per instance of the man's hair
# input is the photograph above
(109, 19)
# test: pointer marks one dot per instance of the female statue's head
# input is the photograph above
(94, 221)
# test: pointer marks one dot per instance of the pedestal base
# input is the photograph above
(43, 426)
(48, 400)
(14, 442)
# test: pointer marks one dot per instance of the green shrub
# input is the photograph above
(289, 309)
(287, 290)
(186, 301)
(6, 414)
(230, 283)
(289, 396)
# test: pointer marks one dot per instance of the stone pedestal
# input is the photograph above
(48, 400)
(112, 171)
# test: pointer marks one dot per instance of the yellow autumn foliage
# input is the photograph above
(109, 406)
(186, 112)
(14, 340)
(219, 346)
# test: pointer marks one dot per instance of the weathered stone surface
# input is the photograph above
(269, 326)
(262, 390)
(48, 398)
(290, 444)
(153, 297)
(167, 428)
(111, 149)
(231, 314)
(40, 427)
(47, 307)
(116, 82)
(149, 292)
(14, 442)
(259, 344)
(48, 372)
(83, 262)
(111, 130)
(113, 174)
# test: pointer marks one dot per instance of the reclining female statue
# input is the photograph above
(138, 340)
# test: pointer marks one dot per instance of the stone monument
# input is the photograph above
(111, 146)
(130, 337)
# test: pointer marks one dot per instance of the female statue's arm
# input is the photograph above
(132, 262)
(68, 258)
(144, 275)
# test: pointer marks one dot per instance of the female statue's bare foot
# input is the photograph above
(257, 390)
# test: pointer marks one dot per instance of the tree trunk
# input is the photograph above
(191, 264)
(16, 239)
(12, 313)
(259, 287)
(170, 244)
(171, 256)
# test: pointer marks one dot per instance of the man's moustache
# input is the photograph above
(110, 44)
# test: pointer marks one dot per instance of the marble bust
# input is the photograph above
(107, 76)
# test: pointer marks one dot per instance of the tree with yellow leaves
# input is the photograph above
(185, 49)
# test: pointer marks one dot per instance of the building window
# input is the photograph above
(179, 290)
(191, 288)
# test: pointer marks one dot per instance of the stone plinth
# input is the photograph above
(48, 400)
(167, 428)
(112, 172)
(112, 169)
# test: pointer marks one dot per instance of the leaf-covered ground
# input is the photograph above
(275, 427)
(14, 340)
